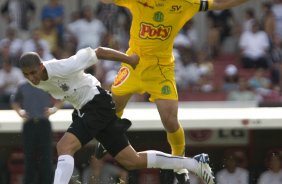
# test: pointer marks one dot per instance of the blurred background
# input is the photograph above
(229, 59)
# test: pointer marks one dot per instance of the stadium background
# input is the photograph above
(250, 144)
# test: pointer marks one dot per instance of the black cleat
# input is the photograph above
(100, 151)
(182, 178)
(166, 176)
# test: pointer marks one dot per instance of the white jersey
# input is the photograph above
(67, 80)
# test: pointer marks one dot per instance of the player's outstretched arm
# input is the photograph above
(105, 53)
(225, 4)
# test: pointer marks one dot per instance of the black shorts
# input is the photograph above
(97, 119)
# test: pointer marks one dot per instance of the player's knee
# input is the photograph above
(171, 124)
(63, 148)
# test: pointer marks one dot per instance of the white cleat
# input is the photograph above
(204, 170)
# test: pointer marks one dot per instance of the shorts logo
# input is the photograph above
(122, 75)
(151, 32)
(166, 90)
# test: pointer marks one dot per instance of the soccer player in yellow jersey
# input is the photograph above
(155, 24)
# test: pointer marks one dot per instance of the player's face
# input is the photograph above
(33, 73)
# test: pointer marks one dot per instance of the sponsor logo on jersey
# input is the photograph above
(158, 16)
(64, 87)
(151, 32)
(176, 9)
(122, 75)
(166, 90)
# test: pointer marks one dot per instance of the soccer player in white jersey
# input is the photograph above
(94, 114)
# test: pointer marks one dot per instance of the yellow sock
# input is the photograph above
(119, 114)
(177, 142)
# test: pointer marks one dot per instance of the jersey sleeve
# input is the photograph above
(83, 59)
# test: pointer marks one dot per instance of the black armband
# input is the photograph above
(204, 5)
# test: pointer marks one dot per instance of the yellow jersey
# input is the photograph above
(155, 24)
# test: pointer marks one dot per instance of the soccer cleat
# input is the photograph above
(166, 176)
(100, 151)
(182, 178)
(204, 170)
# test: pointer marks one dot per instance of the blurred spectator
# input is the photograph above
(273, 174)
(105, 170)
(70, 42)
(221, 26)
(271, 95)
(48, 32)
(213, 40)
(88, 31)
(254, 47)
(232, 173)
(55, 11)
(18, 13)
(259, 80)
(276, 61)
(182, 41)
(223, 21)
(243, 93)
(192, 34)
(231, 77)
(11, 46)
(11, 77)
(249, 18)
(277, 11)
(37, 44)
(115, 18)
(268, 23)
(75, 15)
(36, 132)
(205, 66)
(187, 72)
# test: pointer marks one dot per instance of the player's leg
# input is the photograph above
(30, 144)
(126, 83)
(122, 89)
(131, 160)
(160, 84)
(168, 110)
(66, 148)
(121, 102)
(175, 134)
(46, 150)
(118, 146)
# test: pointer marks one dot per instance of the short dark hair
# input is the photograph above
(29, 59)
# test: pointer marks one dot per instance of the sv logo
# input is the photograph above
(175, 8)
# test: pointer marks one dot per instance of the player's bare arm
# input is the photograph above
(225, 4)
(114, 55)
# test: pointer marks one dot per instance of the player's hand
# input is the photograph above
(50, 111)
(134, 60)
(23, 114)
